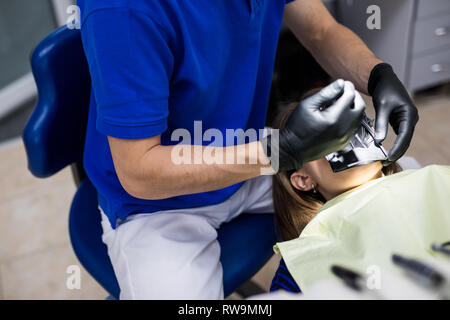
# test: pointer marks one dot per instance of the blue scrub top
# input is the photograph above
(160, 65)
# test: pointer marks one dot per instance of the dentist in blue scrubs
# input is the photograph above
(162, 65)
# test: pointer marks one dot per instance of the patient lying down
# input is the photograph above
(356, 218)
(298, 195)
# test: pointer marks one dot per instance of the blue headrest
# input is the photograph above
(54, 135)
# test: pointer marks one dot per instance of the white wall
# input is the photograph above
(24, 89)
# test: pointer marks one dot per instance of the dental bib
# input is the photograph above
(404, 213)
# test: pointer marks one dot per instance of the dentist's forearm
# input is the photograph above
(157, 174)
(335, 47)
(354, 65)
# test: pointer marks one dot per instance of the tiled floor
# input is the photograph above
(35, 250)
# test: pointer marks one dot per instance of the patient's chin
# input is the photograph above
(363, 174)
(355, 177)
(332, 184)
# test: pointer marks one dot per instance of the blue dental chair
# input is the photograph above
(54, 139)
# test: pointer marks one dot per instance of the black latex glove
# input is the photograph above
(320, 125)
(392, 105)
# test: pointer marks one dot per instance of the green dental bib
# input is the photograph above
(404, 213)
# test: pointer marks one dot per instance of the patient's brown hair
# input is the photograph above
(294, 209)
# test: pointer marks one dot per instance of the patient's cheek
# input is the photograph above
(319, 170)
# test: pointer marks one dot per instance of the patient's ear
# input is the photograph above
(301, 181)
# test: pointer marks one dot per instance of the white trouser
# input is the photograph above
(175, 254)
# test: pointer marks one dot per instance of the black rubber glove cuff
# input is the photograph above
(279, 159)
(380, 71)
